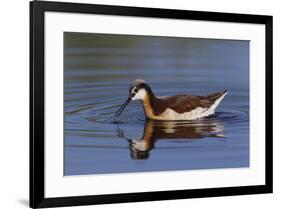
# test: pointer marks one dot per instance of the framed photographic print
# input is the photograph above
(135, 104)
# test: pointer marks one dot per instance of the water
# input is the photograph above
(98, 69)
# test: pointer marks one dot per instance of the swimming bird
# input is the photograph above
(178, 107)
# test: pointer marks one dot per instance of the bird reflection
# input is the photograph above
(171, 130)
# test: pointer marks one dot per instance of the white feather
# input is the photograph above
(198, 112)
(139, 95)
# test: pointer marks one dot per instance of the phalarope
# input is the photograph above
(178, 107)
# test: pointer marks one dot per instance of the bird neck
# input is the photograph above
(147, 103)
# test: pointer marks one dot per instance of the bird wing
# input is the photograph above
(186, 103)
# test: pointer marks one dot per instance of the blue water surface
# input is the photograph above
(98, 69)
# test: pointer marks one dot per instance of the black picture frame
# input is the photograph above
(37, 195)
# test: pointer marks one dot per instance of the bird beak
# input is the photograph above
(120, 110)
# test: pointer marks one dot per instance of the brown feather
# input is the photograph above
(183, 103)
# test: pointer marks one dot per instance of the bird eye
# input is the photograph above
(133, 94)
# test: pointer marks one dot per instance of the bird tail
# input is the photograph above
(217, 95)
